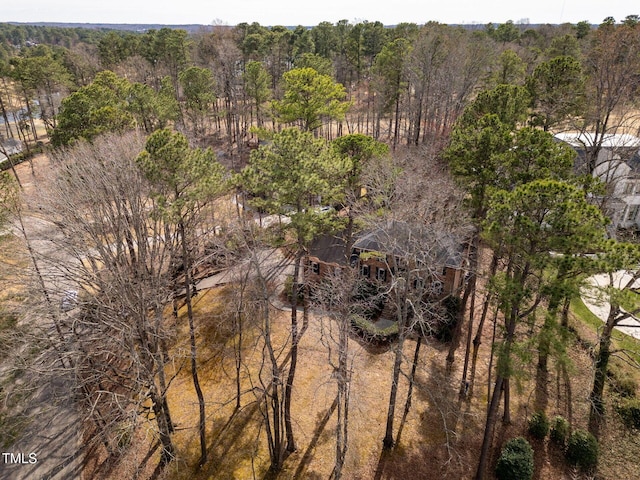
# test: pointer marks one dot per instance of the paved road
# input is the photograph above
(600, 308)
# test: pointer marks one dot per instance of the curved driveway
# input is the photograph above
(600, 308)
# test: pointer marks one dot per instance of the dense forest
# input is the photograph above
(165, 267)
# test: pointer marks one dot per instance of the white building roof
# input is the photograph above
(586, 139)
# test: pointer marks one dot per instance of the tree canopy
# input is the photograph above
(310, 98)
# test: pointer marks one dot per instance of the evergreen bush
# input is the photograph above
(559, 430)
(516, 461)
(539, 425)
(582, 449)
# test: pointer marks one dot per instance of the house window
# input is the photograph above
(632, 213)
(365, 270)
(418, 283)
(315, 268)
(628, 188)
(444, 271)
(381, 274)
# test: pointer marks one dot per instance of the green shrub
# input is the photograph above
(582, 449)
(559, 430)
(516, 461)
(629, 411)
(370, 332)
(539, 425)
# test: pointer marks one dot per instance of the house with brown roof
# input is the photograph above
(430, 260)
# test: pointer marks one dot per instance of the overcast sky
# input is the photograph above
(312, 12)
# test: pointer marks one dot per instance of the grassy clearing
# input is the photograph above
(619, 445)
(630, 303)
(621, 341)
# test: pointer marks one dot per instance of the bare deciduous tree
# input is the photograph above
(111, 263)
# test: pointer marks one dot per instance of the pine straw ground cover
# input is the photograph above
(440, 437)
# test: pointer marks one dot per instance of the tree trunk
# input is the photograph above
(596, 410)
(489, 427)
(192, 338)
(160, 357)
(31, 122)
(412, 376)
(506, 416)
(238, 356)
(544, 345)
(469, 289)
(164, 432)
(7, 125)
(387, 442)
(464, 384)
(291, 444)
(565, 313)
(477, 340)
(271, 397)
(549, 330)
(495, 400)
(396, 127)
(342, 428)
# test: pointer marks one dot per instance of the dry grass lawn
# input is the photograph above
(439, 439)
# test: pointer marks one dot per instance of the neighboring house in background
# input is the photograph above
(618, 166)
(377, 255)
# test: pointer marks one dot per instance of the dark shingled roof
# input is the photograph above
(417, 241)
(399, 238)
(329, 249)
